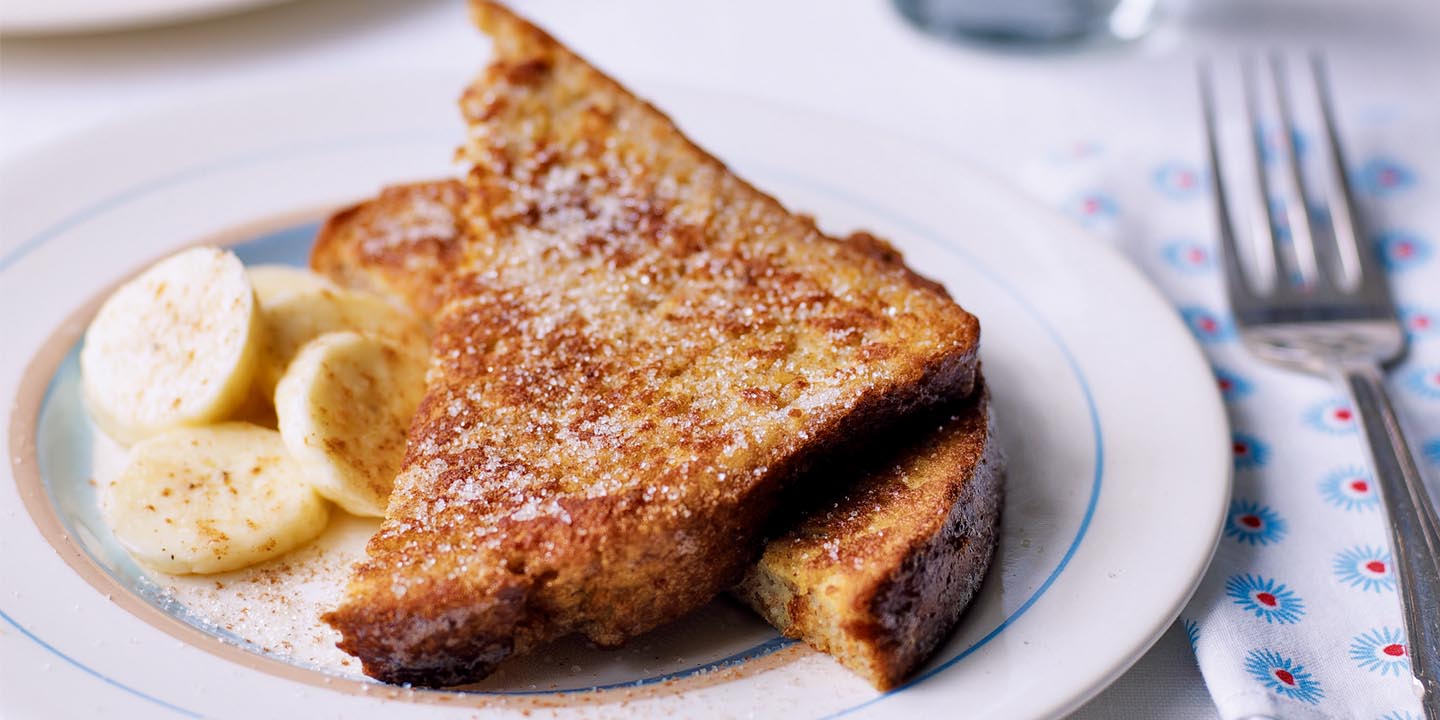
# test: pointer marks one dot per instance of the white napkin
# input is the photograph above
(1298, 616)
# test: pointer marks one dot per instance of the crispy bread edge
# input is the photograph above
(892, 623)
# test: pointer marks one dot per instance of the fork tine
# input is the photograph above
(1302, 233)
(1235, 277)
(1349, 241)
(1278, 251)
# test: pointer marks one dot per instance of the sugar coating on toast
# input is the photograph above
(635, 352)
(878, 575)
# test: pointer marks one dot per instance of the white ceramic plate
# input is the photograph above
(49, 17)
(1119, 453)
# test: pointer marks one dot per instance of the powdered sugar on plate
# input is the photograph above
(277, 605)
(274, 606)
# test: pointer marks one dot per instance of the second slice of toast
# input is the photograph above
(878, 574)
(637, 353)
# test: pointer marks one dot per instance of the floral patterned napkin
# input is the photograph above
(1298, 616)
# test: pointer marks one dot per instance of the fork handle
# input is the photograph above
(1414, 528)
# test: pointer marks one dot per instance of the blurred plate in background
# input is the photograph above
(54, 17)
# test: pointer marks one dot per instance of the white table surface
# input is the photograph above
(851, 58)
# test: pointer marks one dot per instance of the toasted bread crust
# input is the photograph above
(878, 576)
(636, 352)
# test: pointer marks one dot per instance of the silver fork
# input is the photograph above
(1339, 324)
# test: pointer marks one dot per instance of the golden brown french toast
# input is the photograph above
(406, 243)
(635, 354)
(875, 575)
(878, 576)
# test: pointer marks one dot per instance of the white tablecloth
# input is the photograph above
(854, 58)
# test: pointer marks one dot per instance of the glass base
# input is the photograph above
(1031, 22)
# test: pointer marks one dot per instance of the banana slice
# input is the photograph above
(176, 346)
(213, 499)
(298, 306)
(272, 282)
(344, 406)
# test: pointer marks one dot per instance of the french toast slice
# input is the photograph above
(636, 353)
(879, 575)
(877, 571)
(405, 244)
